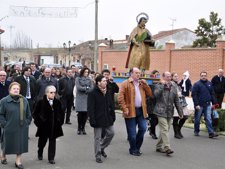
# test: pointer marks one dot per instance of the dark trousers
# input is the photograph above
(82, 118)
(219, 97)
(179, 122)
(51, 147)
(31, 105)
(153, 120)
(67, 103)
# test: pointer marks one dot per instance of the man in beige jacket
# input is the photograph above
(132, 100)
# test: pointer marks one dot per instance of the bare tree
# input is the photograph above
(22, 41)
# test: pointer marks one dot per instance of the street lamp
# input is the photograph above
(69, 48)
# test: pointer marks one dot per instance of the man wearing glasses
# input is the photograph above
(204, 100)
(4, 87)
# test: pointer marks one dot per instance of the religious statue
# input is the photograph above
(140, 41)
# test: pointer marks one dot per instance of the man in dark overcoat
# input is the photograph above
(102, 116)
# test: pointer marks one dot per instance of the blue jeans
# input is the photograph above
(136, 138)
(206, 110)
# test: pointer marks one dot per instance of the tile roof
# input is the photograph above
(162, 34)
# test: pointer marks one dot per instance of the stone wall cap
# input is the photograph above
(102, 45)
(171, 41)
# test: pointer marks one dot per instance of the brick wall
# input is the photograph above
(174, 60)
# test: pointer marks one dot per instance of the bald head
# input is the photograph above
(2, 76)
(135, 73)
(166, 76)
(47, 72)
(220, 72)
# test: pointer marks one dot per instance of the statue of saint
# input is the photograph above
(140, 41)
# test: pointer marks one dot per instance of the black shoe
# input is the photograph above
(79, 132)
(160, 150)
(177, 136)
(103, 154)
(196, 134)
(4, 161)
(99, 160)
(51, 161)
(154, 137)
(212, 135)
(181, 135)
(152, 133)
(139, 152)
(135, 153)
(68, 122)
(84, 132)
(19, 166)
(169, 151)
(176, 131)
(40, 157)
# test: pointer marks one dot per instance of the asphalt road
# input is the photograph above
(77, 152)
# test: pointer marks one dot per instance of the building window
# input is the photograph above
(105, 66)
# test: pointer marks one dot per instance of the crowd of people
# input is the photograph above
(50, 94)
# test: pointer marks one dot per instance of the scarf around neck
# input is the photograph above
(20, 97)
(103, 90)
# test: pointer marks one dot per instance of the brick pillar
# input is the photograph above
(101, 49)
(170, 45)
(220, 45)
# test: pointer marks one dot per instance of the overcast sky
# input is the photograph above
(116, 18)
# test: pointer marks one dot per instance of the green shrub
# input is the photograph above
(191, 119)
(221, 122)
(221, 125)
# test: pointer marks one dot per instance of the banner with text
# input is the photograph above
(48, 12)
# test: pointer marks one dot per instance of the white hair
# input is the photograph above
(48, 88)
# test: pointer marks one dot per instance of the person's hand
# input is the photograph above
(92, 123)
(110, 79)
(163, 82)
(215, 106)
(126, 113)
(143, 81)
(179, 94)
(197, 107)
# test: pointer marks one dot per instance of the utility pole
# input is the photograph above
(96, 38)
